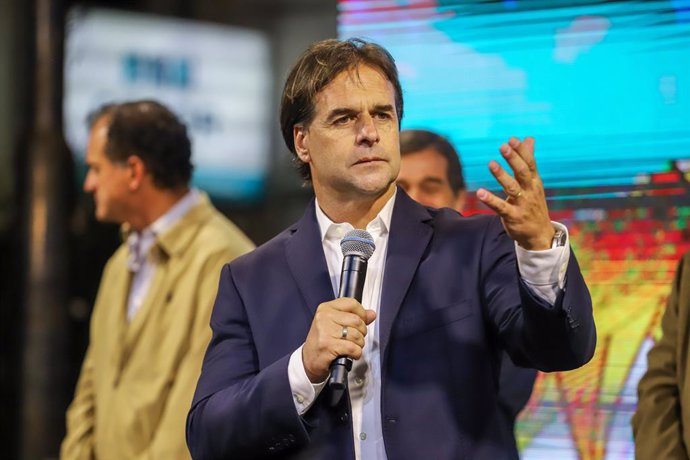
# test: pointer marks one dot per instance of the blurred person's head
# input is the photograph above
(139, 162)
(318, 67)
(430, 170)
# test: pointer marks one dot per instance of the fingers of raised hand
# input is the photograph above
(524, 185)
(498, 205)
(508, 182)
(524, 213)
(522, 172)
(526, 150)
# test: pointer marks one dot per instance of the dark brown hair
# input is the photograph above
(152, 132)
(320, 64)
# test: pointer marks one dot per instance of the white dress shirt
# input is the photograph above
(140, 262)
(543, 271)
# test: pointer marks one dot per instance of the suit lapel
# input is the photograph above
(304, 253)
(409, 236)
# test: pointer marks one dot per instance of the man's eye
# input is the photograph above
(431, 188)
(343, 120)
(383, 115)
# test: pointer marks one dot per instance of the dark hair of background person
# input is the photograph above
(152, 132)
(415, 140)
(320, 64)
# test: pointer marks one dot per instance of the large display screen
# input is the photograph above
(604, 87)
(217, 78)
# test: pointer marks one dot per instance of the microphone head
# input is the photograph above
(357, 242)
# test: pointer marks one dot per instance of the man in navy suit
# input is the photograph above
(444, 294)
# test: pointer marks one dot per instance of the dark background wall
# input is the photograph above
(48, 280)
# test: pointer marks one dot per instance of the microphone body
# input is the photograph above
(352, 277)
(357, 247)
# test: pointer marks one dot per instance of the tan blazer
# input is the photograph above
(661, 424)
(138, 379)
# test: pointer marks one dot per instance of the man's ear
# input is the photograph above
(460, 199)
(137, 172)
(301, 136)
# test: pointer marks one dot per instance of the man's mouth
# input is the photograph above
(368, 160)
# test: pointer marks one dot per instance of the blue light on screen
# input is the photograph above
(604, 88)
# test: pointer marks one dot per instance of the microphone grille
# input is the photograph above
(358, 242)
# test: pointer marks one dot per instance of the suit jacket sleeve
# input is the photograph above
(656, 424)
(537, 335)
(253, 405)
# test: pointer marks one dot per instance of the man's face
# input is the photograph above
(424, 176)
(352, 145)
(107, 181)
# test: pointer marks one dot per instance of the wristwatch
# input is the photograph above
(558, 239)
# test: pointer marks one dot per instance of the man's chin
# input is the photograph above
(103, 217)
(376, 188)
(362, 187)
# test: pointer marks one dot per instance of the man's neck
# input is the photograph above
(357, 211)
(155, 204)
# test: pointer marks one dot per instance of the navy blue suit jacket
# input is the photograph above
(452, 299)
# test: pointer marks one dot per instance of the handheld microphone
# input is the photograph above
(357, 247)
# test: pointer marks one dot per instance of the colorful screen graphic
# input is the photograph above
(605, 90)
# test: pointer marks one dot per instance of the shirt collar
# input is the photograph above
(140, 242)
(335, 231)
(175, 213)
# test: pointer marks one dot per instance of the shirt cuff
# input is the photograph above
(304, 392)
(544, 271)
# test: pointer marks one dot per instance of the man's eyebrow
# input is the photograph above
(340, 111)
(433, 180)
(384, 108)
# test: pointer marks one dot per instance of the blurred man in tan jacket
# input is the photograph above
(150, 325)
(661, 424)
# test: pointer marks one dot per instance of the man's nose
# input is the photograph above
(367, 132)
(89, 182)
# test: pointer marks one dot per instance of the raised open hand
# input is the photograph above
(524, 212)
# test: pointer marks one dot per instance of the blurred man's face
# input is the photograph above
(352, 144)
(105, 180)
(424, 176)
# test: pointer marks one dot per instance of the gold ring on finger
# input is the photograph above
(343, 333)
